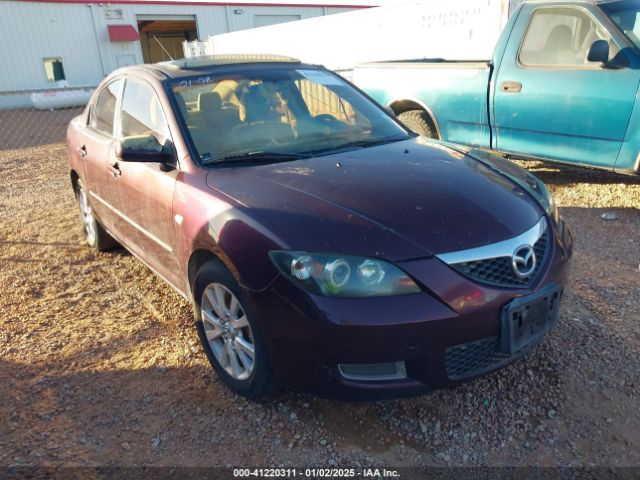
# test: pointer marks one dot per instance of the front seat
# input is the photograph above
(557, 48)
(262, 125)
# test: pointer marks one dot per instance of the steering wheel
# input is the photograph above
(330, 121)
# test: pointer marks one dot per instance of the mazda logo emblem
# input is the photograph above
(524, 261)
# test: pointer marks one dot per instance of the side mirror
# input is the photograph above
(141, 148)
(599, 52)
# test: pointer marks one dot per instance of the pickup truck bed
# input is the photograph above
(461, 118)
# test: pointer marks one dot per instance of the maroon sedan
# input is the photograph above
(323, 245)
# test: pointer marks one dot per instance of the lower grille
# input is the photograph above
(474, 358)
(499, 271)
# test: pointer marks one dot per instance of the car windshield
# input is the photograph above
(625, 14)
(278, 114)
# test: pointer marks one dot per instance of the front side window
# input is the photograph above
(104, 108)
(141, 113)
(289, 111)
(626, 15)
(561, 37)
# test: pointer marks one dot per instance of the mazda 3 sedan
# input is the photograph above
(323, 245)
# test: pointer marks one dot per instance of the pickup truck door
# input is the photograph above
(549, 101)
(147, 189)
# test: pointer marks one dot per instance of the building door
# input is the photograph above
(161, 36)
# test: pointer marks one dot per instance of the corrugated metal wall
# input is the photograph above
(30, 32)
(77, 33)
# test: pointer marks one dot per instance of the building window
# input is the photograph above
(53, 69)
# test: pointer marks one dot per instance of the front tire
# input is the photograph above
(95, 235)
(420, 122)
(229, 334)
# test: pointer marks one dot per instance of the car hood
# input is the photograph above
(408, 199)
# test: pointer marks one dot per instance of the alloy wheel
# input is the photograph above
(228, 332)
(88, 222)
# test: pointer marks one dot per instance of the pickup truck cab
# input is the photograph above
(562, 86)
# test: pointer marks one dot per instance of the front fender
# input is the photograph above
(215, 223)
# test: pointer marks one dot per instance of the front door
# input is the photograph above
(146, 189)
(550, 102)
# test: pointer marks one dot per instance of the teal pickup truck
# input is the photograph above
(562, 86)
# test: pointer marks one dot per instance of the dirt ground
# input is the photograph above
(100, 363)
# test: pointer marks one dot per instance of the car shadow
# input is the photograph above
(565, 175)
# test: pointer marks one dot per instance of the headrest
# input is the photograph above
(559, 38)
(210, 101)
(256, 104)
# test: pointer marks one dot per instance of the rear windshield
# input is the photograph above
(292, 111)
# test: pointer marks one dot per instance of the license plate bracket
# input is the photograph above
(527, 319)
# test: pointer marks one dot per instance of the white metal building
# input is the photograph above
(49, 44)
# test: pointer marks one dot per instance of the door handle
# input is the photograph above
(82, 149)
(511, 87)
(114, 168)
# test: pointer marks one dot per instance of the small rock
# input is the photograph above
(609, 217)
(126, 446)
(443, 457)
(155, 442)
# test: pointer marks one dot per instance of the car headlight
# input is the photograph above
(343, 275)
(548, 202)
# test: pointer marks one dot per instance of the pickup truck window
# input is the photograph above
(561, 37)
(297, 111)
(626, 16)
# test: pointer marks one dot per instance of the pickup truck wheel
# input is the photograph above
(420, 122)
(229, 333)
(95, 235)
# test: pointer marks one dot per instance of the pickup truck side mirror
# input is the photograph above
(140, 148)
(599, 52)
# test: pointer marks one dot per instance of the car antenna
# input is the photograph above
(162, 47)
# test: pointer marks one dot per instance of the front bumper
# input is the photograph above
(308, 337)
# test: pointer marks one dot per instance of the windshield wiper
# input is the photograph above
(258, 157)
(370, 142)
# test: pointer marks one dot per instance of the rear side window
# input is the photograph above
(561, 37)
(104, 108)
(141, 112)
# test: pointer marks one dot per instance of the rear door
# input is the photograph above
(97, 147)
(549, 101)
(146, 189)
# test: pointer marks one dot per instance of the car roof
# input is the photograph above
(211, 63)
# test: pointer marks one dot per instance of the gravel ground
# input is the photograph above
(100, 362)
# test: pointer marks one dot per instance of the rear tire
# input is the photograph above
(95, 235)
(420, 122)
(229, 334)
